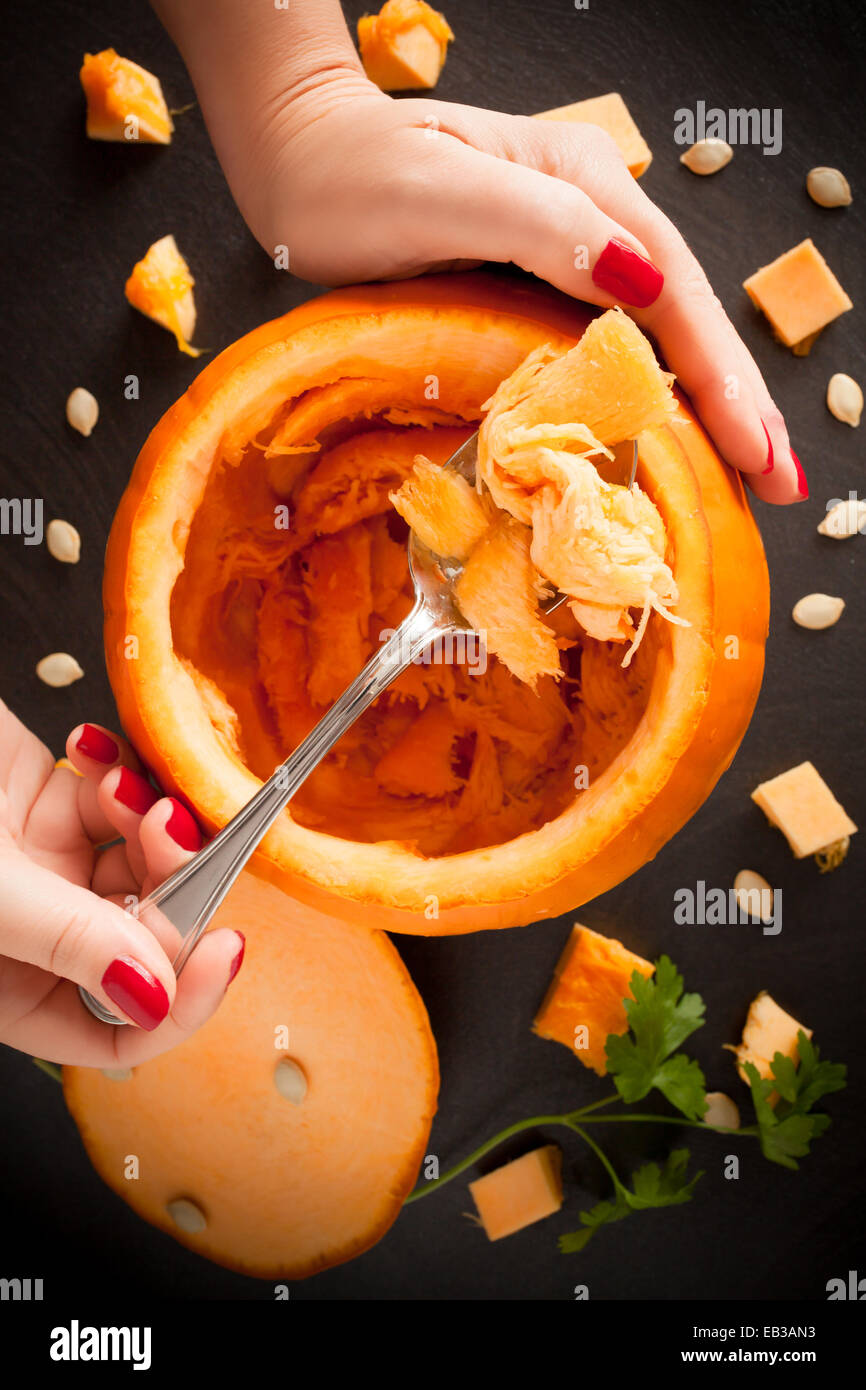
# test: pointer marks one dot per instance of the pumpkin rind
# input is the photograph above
(473, 329)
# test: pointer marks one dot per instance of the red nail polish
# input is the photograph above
(802, 485)
(93, 743)
(238, 960)
(770, 464)
(135, 792)
(182, 828)
(626, 275)
(134, 990)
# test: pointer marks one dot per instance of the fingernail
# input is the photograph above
(802, 485)
(138, 993)
(182, 828)
(135, 792)
(238, 960)
(627, 275)
(770, 464)
(93, 743)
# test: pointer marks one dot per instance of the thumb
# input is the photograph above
(485, 206)
(72, 933)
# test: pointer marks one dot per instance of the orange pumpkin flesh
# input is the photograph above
(214, 689)
(286, 1189)
(124, 101)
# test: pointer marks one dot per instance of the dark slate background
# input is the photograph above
(78, 215)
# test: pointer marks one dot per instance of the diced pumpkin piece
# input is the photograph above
(768, 1030)
(803, 807)
(404, 46)
(160, 286)
(799, 294)
(294, 1121)
(586, 999)
(124, 101)
(519, 1193)
(497, 592)
(442, 508)
(611, 114)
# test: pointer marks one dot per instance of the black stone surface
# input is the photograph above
(78, 214)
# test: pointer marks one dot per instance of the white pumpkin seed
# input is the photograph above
(721, 1111)
(186, 1215)
(828, 187)
(817, 611)
(82, 410)
(58, 668)
(754, 894)
(844, 520)
(845, 399)
(117, 1073)
(707, 156)
(290, 1080)
(63, 542)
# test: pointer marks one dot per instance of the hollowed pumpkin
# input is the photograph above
(255, 560)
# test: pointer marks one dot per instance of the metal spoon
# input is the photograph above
(179, 910)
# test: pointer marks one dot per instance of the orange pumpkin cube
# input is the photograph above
(519, 1193)
(768, 1030)
(124, 101)
(160, 286)
(803, 807)
(799, 294)
(611, 114)
(403, 47)
(586, 999)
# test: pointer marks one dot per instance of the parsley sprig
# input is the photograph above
(661, 1016)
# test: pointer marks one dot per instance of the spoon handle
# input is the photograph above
(190, 896)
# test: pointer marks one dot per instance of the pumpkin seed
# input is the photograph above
(186, 1215)
(721, 1111)
(117, 1073)
(845, 399)
(58, 668)
(82, 410)
(748, 883)
(817, 611)
(707, 156)
(828, 187)
(290, 1080)
(63, 542)
(844, 520)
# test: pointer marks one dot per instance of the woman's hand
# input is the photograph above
(62, 922)
(358, 186)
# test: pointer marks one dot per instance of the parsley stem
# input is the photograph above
(668, 1120)
(485, 1148)
(600, 1155)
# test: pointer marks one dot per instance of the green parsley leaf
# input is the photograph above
(660, 1018)
(652, 1186)
(787, 1129)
